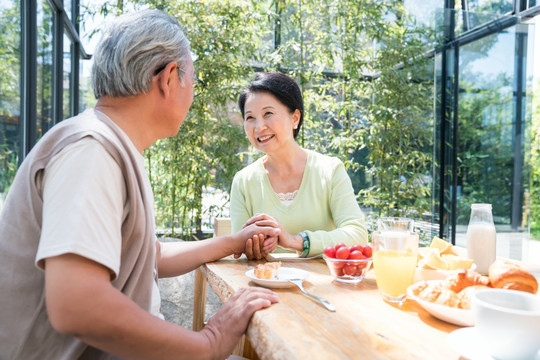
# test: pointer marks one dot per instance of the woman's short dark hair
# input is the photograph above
(284, 88)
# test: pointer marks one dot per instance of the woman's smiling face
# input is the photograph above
(267, 122)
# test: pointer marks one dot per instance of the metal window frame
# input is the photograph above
(61, 24)
(449, 113)
(28, 118)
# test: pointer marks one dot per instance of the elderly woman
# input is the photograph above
(307, 195)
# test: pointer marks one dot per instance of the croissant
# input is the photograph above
(430, 292)
(465, 295)
(448, 298)
(463, 278)
(508, 275)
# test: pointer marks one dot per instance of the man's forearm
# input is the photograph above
(82, 302)
(177, 258)
(136, 334)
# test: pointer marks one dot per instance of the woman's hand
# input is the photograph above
(258, 244)
(285, 239)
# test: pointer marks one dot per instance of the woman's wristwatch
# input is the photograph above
(305, 242)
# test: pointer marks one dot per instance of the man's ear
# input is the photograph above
(163, 80)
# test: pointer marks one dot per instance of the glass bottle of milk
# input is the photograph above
(481, 237)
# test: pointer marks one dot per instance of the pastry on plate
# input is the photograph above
(430, 292)
(267, 271)
(463, 278)
(448, 298)
(508, 275)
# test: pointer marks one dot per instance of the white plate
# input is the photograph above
(449, 314)
(283, 274)
(465, 343)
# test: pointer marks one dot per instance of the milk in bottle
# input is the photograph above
(481, 237)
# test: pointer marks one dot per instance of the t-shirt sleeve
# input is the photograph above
(84, 205)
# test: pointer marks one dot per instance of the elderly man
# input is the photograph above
(78, 254)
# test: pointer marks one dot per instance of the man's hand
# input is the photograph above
(226, 327)
(256, 240)
(259, 246)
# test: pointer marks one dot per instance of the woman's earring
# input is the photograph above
(295, 127)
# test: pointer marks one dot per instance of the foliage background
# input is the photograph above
(9, 91)
(367, 92)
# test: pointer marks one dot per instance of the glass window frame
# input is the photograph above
(445, 190)
(63, 23)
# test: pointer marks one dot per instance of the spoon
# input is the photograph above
(298, 283)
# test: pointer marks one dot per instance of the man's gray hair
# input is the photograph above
(133, 48)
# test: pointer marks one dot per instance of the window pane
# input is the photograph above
(423, 11)
(44, 68)
(10, 69)
(450, 23)
(86, 94)
(66, 78)
(494, 122)
(490, 6)
(67, 8)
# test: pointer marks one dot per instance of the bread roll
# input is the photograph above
(463, 278)
(508, 275)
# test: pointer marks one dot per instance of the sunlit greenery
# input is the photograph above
(368, 90)
(486, 155)
(9, 92)
(366, 86)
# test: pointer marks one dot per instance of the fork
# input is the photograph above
(298, 283)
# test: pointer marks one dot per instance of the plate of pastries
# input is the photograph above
(450, 299)
(272, 275)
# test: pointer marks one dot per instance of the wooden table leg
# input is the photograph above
(199, 300)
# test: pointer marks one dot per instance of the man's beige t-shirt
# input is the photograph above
(25, 331)
(91, 225)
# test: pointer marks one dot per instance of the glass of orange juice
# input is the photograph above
(395, 254)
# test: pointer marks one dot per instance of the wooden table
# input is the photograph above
(363, 327)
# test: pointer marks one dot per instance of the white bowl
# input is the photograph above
(507, 322)
(429, 274)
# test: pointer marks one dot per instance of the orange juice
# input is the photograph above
(394, 271)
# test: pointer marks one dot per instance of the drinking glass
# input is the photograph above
(395, 224)
(395, 254)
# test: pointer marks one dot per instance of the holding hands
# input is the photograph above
(261, 240)
(259, 246)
